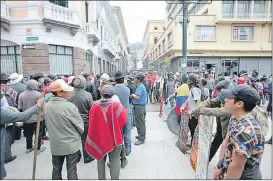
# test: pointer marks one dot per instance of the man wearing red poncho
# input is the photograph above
(106, 121)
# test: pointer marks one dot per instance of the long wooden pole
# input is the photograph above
(36, 139)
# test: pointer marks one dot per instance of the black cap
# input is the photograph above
(118, 75)
(243, 92)
(224, 84)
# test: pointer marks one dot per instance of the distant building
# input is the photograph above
(224, 36)
(137, 51)
(153, 31)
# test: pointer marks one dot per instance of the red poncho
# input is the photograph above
(106, 121)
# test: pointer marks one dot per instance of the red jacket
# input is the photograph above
(104, 135)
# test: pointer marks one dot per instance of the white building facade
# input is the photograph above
(58, 37)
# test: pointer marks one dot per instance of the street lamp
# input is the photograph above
(185, 6)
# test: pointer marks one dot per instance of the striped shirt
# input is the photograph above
(245, 138)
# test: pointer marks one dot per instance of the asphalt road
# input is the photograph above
(158, 158)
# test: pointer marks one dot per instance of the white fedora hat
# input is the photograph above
(15, 78)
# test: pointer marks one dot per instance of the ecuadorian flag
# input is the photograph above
(182, 95)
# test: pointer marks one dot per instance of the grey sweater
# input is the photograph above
(83, 101)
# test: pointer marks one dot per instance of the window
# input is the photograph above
(86, 12)
(155, 52)
(259, 9)
(89, 61)
(163, 45)
(164, 28)
(170, 39)
(205, 33)
(63, 3)
(244, 9)
(228, 9)
(196, 8)
(155, 28)
(155, 40)
(243, 32)
(159, 50)
(60, 60)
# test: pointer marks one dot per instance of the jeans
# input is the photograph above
(71, 165)
(149, 95)
(131, 114)
(127, 134)
(114, 156)
(140, 115)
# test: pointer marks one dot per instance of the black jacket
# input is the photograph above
(132, 88)
(91, 88)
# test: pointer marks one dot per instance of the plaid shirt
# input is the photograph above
(245, 138)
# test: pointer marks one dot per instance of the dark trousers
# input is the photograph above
(29, 130)
(71, 165)
(7, 150)
(193, 122)
(11, 133)
(43, 129)
(18, 132)
(210, 93)
(217, 141)
(140, 115)
(86, 156)
(114, 156)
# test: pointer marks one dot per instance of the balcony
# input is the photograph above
(108, 50)
(243, 17)
(55, 15)
(5, 16)
(92, 33)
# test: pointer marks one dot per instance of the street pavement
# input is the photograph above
(158, 158)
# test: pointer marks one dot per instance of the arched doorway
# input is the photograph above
(11, 61)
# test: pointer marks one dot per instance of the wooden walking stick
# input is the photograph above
(36, 139)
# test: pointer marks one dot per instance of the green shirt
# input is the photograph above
(48, 97)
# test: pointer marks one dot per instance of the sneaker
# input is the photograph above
(10, 159)
(42, 149)
(45, 138)
(139, 142)
(29, 150)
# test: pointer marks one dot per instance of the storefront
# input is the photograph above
(224, 65)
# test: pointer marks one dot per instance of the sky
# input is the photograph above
(135, 16)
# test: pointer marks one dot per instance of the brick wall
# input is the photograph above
(79, 60)
(35, 60)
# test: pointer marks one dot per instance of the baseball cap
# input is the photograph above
(107, 90)
(243, 92)
(60, 85)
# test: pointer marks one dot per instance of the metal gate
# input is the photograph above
(10, 57)
(61, 60)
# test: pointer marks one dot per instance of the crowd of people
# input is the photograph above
(93, 116)
(242, 121)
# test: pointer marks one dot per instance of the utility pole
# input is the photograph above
(184, 37)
